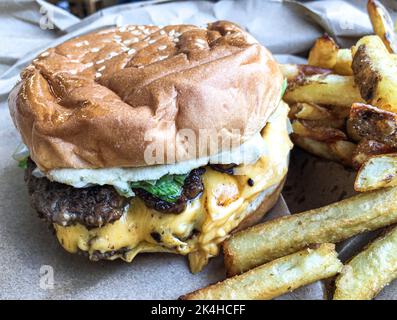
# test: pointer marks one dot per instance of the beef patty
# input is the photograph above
(65, 205)
(96, 206)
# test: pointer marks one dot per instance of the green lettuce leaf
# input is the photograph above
(167, 188)
(23, 163)
(284, 87)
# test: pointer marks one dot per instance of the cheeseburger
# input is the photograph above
(152, 139)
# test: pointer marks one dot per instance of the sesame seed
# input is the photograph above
(131, 51)
(162, 58)
(98, 75)
(162, 32)
(171, 33)
(129, 41)
(83, 43)
(177, 34)
(136, 33)
(73, 71)
(147, 32)
(140, 67)
(151, 41)
(141, 28)
(102, 68)
(89, 64)
(45, 54)
(163, 47)
(93, 50)
(123, 29)
(105, 31)
(201, 41)
(100, 61)
(111, 55)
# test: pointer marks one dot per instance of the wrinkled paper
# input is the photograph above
(34, 266)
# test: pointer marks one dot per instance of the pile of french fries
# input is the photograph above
(344, 102)
(343, 107)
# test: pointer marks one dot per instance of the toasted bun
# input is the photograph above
(89, 102)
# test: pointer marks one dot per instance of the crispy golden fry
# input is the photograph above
(382, 24)
(333, 223)
(371, 270)
(297, 71)
(275, 278)
(328, 89)
(377, 172)
(304, 129)
(344, 59)
(343, 64)
(344, 151)
(351, 132)
(318, 148)
(341, 112)
(307, 111)
(324, 53)
(373, 123)
(375, 73)
(339, 151)
(366, 149)
(316, 115)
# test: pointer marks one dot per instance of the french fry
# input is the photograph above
(343, 64)
(351, 132)
(318, 148)
(297, 71)
(373, 123)
(316, 115)
(382, 24)
(275, 278)
(328, 89)
(375, 73)
(340, 151)
(369, 271)
(341, 112)
(304, 129)
(344, 151)
(333, 223)
(377, 172)
(366, 149)
(344, 59)
(324, 52)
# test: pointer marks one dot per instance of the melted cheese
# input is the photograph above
(207, 220)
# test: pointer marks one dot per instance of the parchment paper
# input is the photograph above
(28, 250)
